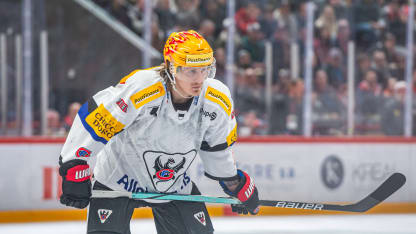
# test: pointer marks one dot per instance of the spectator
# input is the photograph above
(327, 109)
(395, 18)
(167, 18)
(280, 104)
(268, 23)
(281, 49)
(251, 124)
(335, 68)
(366, 15)
(157, 35)
(119, 9)
(188, 14)
(244, 59)
(253, 42)
(328, 22)
(368, 103)
(72, 112)
(220, 59)
(392, 57)
(340, 9)
(392, 114)
(54, 128)
(364, 64)
(380, 65)
(136, 15)
(250, 93)
(281, 84)
(343, 36)
(285, 20)
(388, 91)
(323, 44)
(300, 19)
(207, 29)
(294, 121)
(214, 11)
(247, 16)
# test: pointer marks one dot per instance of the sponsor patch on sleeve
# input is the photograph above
(147, 95)
(232, 137)
(219, 98)
(103, 123)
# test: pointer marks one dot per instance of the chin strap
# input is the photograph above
(173, 82)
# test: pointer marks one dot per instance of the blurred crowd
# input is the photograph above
(377, 27)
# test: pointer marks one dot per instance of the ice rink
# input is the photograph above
(341, 224)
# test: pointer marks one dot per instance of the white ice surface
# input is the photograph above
(343, 224)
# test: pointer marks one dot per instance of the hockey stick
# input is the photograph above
(387, 188)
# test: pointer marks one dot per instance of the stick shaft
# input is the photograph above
(387, 188)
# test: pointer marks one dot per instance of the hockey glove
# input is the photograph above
(246, 192)
(76, 183)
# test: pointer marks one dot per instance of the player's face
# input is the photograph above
(191, 79)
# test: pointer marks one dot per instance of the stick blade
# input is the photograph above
(385, 190)
(391, 185)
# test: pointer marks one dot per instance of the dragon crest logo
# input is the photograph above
(165, 169)
(168, 170)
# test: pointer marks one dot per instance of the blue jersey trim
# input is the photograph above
(83, 113)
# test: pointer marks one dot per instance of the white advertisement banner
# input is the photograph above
(315, 172)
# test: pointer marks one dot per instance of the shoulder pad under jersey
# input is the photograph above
(146, 86)
(218, 93)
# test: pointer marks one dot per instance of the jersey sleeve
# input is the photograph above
(216, 148)
(106, 114)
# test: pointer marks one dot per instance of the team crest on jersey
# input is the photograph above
(200, 216)
(165, 169)
(104, 214)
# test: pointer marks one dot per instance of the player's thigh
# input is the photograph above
(182, 217)
(109, 215)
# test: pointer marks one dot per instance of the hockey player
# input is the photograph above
(146, 132)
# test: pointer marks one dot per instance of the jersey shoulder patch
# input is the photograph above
(99, 121)
(216, 92)
(148, 94)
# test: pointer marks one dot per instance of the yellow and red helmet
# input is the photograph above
(187, 49)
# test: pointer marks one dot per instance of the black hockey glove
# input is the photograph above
(246, 192)
(76, 183)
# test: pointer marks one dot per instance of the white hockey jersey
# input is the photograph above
(143, 144)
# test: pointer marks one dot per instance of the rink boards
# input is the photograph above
(294, 169)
